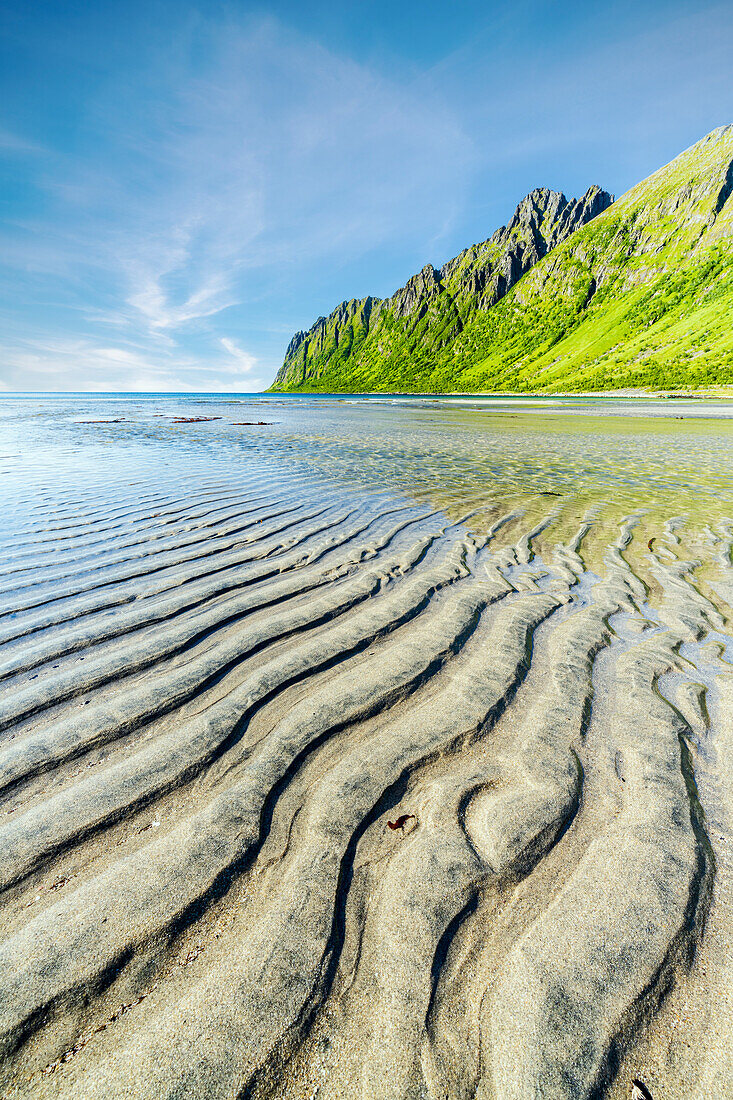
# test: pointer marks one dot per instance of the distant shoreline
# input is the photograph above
(708, 392)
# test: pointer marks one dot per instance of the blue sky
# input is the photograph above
(184, 186)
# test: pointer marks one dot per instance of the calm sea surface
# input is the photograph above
(668, 454)
(556, 464)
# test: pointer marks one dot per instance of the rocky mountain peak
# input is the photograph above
(473, 281)
(416, 291)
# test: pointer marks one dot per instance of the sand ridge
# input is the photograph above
(214, 700)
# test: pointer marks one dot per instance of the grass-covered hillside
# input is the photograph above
(367, 343)
(568, 296)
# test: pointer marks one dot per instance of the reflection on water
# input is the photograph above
(630, 450)
(663, 460)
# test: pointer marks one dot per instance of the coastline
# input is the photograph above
(707, 392)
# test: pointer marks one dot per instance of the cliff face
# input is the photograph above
(434, 306)
(343, 331)
(484, 273)
(641, 296)
(569, 295)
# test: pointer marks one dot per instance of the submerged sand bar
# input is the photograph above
(314, 782)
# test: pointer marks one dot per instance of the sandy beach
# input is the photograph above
(314, 786)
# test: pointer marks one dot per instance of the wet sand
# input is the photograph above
(312, 789)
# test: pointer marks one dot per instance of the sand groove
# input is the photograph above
(215, 702)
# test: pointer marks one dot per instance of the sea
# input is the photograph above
(673, 455)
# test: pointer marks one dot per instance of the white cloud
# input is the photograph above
(247, 156)
(245, 362)
(12, 144)
(59, 364)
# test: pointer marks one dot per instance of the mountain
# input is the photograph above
(395, 335)
(586, 294)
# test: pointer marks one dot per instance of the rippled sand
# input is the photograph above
(316, 788)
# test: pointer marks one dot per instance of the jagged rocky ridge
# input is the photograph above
(569, 296)
(448, 296)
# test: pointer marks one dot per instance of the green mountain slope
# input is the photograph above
(638, 293)
(367, 343)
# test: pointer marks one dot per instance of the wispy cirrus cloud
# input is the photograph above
(245, 363)
(12, 144)
(246, 157)
(59, 364)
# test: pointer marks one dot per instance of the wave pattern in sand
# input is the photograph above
(307, 793)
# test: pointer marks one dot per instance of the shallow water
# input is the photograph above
(602, 459)
(644, 453)
(233, 655)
